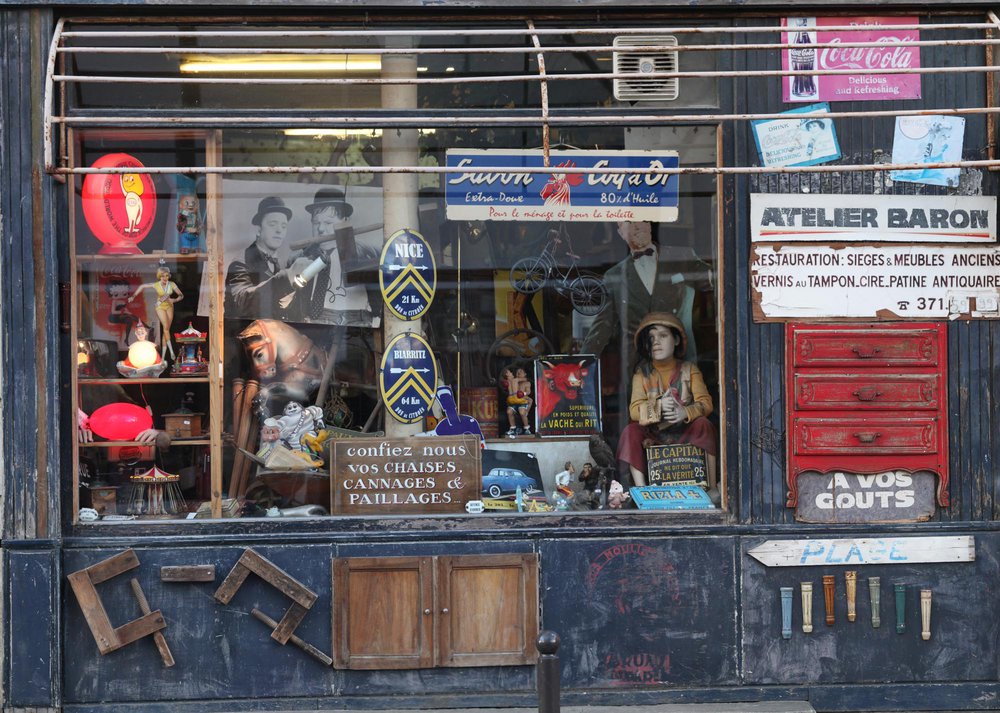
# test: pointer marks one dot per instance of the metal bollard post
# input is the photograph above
(547, 672)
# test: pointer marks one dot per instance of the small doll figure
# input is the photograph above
(118, 311)
(167, 293)
(518, 401)
(617, 497)
(189, 223)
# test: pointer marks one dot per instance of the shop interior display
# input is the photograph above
(523, 319)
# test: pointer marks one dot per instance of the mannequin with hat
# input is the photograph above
(325, 293)
(258, 286)
(669, 400)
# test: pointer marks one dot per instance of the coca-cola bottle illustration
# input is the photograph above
(803, 59)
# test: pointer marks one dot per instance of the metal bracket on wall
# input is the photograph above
(302, 597)
(84, 583)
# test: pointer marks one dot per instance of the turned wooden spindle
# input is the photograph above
(900, 608)
(807, 607)
(829, 585)
(875, 594)
(786, 612)
(925, 614)
(851, 585)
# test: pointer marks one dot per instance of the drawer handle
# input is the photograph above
(867, 393)
(867, 437)
(865, 353)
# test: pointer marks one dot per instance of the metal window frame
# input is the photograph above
(541, 116)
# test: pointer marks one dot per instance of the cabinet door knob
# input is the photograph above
(865, 353)
(868, 437)
(445, 610)
(427, 611)
(867, 393)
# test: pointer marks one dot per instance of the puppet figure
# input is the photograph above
(189, 223)
(518, 401)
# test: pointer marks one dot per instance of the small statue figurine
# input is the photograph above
(562, 496)
(189, 223)
(518, 401)
(143, 361)
(617, 496)
(167, 293)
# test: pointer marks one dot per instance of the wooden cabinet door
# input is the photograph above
(487, 609)
(383, 612)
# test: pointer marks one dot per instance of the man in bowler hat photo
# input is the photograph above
(330, 289)
(258, 286)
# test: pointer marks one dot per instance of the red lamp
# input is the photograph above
(120, 421)
(119, 207)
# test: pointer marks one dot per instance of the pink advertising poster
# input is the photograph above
(862, 82)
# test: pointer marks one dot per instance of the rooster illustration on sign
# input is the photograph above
(557, 190)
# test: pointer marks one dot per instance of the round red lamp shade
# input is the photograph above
(120, 421)
(119, 207)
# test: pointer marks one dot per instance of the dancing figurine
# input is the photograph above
(167, 293)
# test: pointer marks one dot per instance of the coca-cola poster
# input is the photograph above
(864, 83)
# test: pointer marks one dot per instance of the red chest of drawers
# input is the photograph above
(867, 398)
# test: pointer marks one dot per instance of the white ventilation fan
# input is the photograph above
(640, 63)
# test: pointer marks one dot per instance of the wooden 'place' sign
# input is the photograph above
(414, 476)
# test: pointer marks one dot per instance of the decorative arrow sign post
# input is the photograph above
(865, 550)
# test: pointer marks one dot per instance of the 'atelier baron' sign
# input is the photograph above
(405, 475)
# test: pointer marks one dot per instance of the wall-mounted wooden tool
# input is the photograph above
(158, 638)
(900, 608)
(807, 607)
(188, 573)
(829, 584)
(109, 638)
(786, 612)
(302, 598)
(925, 614)
(851, 585)
(875, 595)
(304, 645)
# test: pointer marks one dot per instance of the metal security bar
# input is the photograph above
(81, 40)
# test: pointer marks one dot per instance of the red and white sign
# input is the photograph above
(119, 207)
(863, 83)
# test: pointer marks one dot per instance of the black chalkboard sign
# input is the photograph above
(675, 464)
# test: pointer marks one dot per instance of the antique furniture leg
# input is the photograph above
(807, 607)
(875, 594)
(786, 612)
(851, 584)
(828, 591)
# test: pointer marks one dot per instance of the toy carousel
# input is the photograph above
(155, 492)
(191, 360)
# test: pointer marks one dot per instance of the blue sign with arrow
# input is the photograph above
(408, 377)
(407, 274)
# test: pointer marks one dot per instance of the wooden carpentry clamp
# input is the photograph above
(84, 583)
(302, 598)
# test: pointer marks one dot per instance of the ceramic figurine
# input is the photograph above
(167, 293)
(616, 495)
(189, 223)
(518, 401)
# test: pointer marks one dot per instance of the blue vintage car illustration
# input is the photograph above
(507, 480)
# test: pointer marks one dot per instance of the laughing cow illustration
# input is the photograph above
(560, 381)
(556, 191)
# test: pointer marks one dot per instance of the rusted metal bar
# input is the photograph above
(517, 31)
(553, 49)
(703, 170)
(368, 122)
(544, 88)
(48, 99)
(505, 78)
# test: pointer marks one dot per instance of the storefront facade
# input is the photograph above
(277, 510)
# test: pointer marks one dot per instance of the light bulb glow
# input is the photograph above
(142, 354)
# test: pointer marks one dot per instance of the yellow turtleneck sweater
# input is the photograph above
(690, 385)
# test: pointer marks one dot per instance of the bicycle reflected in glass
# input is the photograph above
(585, 290)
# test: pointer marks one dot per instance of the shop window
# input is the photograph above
(257, 269)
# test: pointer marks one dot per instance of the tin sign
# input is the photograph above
(407, 274)
(490, 188)
(835, 218)
(861, 80)
(874, 282)
(671, 497)
(794, 141)
(408, 377)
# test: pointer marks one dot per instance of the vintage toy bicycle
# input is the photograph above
(585, 290)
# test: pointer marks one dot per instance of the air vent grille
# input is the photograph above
(645, 62)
